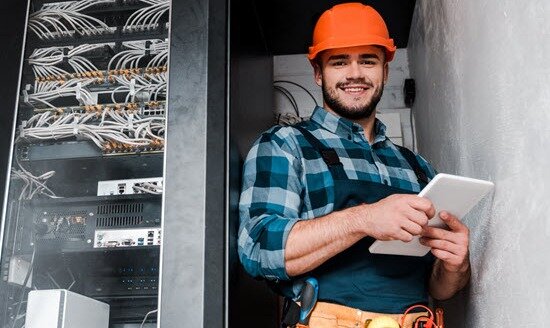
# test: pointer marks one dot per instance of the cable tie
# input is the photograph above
(76, 125)
(131, 121)
(26, 94)
(78, 93)
(133, 87)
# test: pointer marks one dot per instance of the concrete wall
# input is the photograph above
(483, 110)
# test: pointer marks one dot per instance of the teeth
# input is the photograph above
(354, 89)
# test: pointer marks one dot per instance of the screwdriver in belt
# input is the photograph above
(308, 299)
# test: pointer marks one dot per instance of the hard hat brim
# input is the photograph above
(354, 41)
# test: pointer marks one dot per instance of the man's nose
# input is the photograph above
(354, 71)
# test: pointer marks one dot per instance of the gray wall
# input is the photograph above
(483, 110)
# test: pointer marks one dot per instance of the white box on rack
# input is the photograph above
(61, 308)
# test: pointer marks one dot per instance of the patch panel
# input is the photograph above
(130, 186)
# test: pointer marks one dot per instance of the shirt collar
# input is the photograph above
(344, 127)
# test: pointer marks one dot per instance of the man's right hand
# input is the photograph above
(397, 217)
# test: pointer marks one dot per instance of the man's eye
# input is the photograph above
(368, 62)
(339, 63)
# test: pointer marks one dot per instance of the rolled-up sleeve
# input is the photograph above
(270, 203)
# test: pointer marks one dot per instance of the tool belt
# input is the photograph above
(326, 315)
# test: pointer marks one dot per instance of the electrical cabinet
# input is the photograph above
(82, 210)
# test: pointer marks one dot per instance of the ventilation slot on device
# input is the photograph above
(120, 208)
(119, 221)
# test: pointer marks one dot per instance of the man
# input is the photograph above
(316, 195)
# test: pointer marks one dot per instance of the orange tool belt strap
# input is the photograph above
(334, 315)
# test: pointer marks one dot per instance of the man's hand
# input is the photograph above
(451, 271)
(450, 246)
(397, 217)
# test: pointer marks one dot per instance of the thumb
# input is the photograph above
(452, 221)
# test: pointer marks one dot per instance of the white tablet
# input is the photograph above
(452, 193)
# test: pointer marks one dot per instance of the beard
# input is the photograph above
(353, 112)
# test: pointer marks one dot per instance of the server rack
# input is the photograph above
(192, 259)
(82, 208)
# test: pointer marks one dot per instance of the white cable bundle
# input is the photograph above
(65, 19)
(46, 92)
(147, 18)
(43, 60)
(128, 59)
(153, 84)
(137, 84)
(33, 185)
(148, 188)
(124, 128)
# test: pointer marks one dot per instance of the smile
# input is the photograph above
(354, 89)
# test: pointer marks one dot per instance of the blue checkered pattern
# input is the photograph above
(285, 180)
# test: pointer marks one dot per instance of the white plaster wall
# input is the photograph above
(296, 68)
(482, 72)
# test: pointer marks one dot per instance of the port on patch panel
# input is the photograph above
(121, 188)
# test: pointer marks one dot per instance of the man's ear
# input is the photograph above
(317, 74)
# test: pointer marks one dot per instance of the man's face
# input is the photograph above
(352, 80)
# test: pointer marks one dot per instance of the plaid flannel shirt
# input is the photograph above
(281, 186)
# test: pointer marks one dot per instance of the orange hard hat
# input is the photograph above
(350, 25)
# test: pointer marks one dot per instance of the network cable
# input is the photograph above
(65, 19)
(147, 18)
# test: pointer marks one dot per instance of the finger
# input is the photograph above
(412, 227)
(422, 204)
(437, 233)
(416, 216)
(458, 238)
(453, 222)
(404, 236)
(431, 211)
(447, 257)
(443, 245)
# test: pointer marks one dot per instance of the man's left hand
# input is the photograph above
(450, 246)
